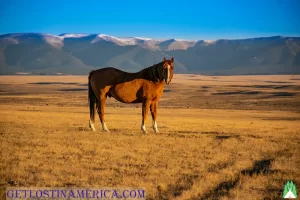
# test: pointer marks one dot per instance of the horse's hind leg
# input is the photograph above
(145, 108)
(101, 106)
(153, 109)
(92, 118)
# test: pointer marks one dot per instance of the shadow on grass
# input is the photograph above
(266, 86)
(260, 167)
(283, 94)
(224, 137)
(238, 92)
(277, 82)
(53, 83)
(205, 87)
(72, 89)
(282, 118)
(184, 183)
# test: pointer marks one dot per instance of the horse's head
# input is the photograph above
(168, 66)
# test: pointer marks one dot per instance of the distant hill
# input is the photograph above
(80, 53)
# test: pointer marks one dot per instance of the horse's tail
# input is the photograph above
(92, 97)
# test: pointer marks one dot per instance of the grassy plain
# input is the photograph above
(221, 137)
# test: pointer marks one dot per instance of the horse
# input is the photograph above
(145, 86)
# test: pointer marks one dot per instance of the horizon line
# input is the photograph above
(154, 38)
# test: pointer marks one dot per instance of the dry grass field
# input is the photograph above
(221, 137)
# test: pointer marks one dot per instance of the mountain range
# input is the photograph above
(68, 53)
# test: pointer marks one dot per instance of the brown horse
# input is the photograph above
(145, 86)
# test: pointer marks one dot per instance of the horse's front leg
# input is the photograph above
(145, 108)
(153, 109)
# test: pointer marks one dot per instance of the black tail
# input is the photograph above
(92, 98)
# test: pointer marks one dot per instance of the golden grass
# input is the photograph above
(238, 145)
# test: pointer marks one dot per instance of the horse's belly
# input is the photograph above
(126, 93)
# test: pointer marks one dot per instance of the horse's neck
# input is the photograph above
(145, 74)
(153, 73)
(136, 75)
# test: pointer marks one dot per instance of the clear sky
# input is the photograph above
(159, 19)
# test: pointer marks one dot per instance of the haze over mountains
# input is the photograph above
(80, 53)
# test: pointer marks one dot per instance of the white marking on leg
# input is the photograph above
(91, 125)
(143, 127)
(104, 127)
(154, 126)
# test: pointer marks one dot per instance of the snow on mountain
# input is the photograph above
(210, 41)
(148, 43)
(142, 38)
(16, 38)
(184, 40)
(128, 40)
(54, 40)
(72, 35)
(10, 40)
(123, 41)
(107, 38)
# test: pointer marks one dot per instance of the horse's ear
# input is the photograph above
(172, 60)
(165, 60)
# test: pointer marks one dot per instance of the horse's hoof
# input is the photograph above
(92, 128)
(91, 125)
(155, 130)
(106, 130)
(145, 132)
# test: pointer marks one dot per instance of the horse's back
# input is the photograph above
(106, 71)
(107, 76)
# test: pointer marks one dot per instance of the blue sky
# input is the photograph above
(156, 19)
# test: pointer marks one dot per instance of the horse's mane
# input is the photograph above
(155, 72)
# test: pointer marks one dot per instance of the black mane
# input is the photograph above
(156, 72)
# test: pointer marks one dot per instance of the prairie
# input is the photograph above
(221, 137)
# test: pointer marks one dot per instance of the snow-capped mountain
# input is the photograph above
(148, 43)
(79, 53)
